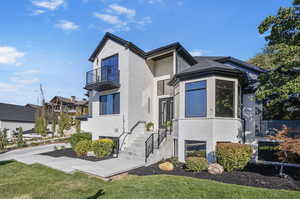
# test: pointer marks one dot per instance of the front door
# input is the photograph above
(165, 111)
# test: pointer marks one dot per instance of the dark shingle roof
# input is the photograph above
(207, 66)
(134, 48)
(224, 59)
(11, 112)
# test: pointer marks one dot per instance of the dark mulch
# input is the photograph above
(71, 154)
(264, 176)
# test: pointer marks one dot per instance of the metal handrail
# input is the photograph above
(130, 132)
(149, 146)
(161, 137)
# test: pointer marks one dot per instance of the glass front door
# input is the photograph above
(165, 111)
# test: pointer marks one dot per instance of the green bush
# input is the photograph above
(77, 137)
(196, 164)
(83, 147)
(102, 147)
(174, 161)
(233, 155)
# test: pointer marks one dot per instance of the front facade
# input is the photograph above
(207, 99)
(71, 105)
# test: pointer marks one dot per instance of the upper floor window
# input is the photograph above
(110, 68)
(110, 104)
(195, 99)
(225, 94)
(163, 88)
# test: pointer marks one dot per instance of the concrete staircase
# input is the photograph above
(135, 149)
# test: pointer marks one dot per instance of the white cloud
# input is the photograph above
(111, 19)
(21, 81)
(50, 4)
(154, 1)
(10, 55)
(8, 87)
(121, 18)
(198, 52)
(26, 72)
(67, 25)
(122, 10)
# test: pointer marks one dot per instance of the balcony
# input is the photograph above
(101, 79)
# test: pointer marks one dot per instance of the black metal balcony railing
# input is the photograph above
(103, 78)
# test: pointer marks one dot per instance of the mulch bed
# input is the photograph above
(255, 175)
(71, 154)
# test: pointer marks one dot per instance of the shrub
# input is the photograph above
(233, 155)
(149, 126)
(196, 164)
(174, 161)
(77, 137)
(102, 147)
(83, 147)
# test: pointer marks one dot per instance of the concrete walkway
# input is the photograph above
(103, 169)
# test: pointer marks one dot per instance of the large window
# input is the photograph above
(225, 92)
(195, 99)
(110, 104)
(163, 88)
(109, 68)
(195, 148)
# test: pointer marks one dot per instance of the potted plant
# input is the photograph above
(168, 126)
(149, 126)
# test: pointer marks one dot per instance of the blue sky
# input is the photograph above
(50, 41)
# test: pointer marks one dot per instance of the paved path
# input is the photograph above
(104, 168)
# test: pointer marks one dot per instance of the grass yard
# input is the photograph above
(19, 181)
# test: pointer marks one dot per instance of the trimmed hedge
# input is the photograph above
(196, 164)
(83, 147)
(102, 147)
(77, 137)
(233, 155)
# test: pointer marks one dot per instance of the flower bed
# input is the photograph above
(253, 175)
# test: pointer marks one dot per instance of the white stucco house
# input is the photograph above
(209, 99)
(14, 116)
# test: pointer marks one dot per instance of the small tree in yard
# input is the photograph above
(41, 123)
(3, 139)
(64, 123)
(289, 147)
(20, 141)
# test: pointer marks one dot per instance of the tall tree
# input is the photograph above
(283, 40)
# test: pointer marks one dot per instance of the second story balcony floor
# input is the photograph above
(103, 78)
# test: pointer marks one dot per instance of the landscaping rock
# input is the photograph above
(166, 166)
(90, 153)
(215, 169)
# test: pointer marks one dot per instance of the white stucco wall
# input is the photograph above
(210, 129)
(110, 125)
(12, 126)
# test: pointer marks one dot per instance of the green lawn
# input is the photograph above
(19, 181)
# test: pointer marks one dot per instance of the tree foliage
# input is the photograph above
(20, 140)
(41, 123)
(64, 123)
(3, 139)
(283, 40)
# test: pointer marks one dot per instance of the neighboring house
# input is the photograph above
(209, 99)
(14, 116)
(33, 106)
(71, 105)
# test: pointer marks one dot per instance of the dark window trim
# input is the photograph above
(103, 59)
(195, 90)
(196, 141)
(234, 100)
(112, 104)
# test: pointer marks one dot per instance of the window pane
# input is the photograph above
(195, 100)
(225, 92)
(196, 85)
(110, 104)
(116, 103)
(168, 90)
(109, 68)
(195, 148)
(160, 87)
